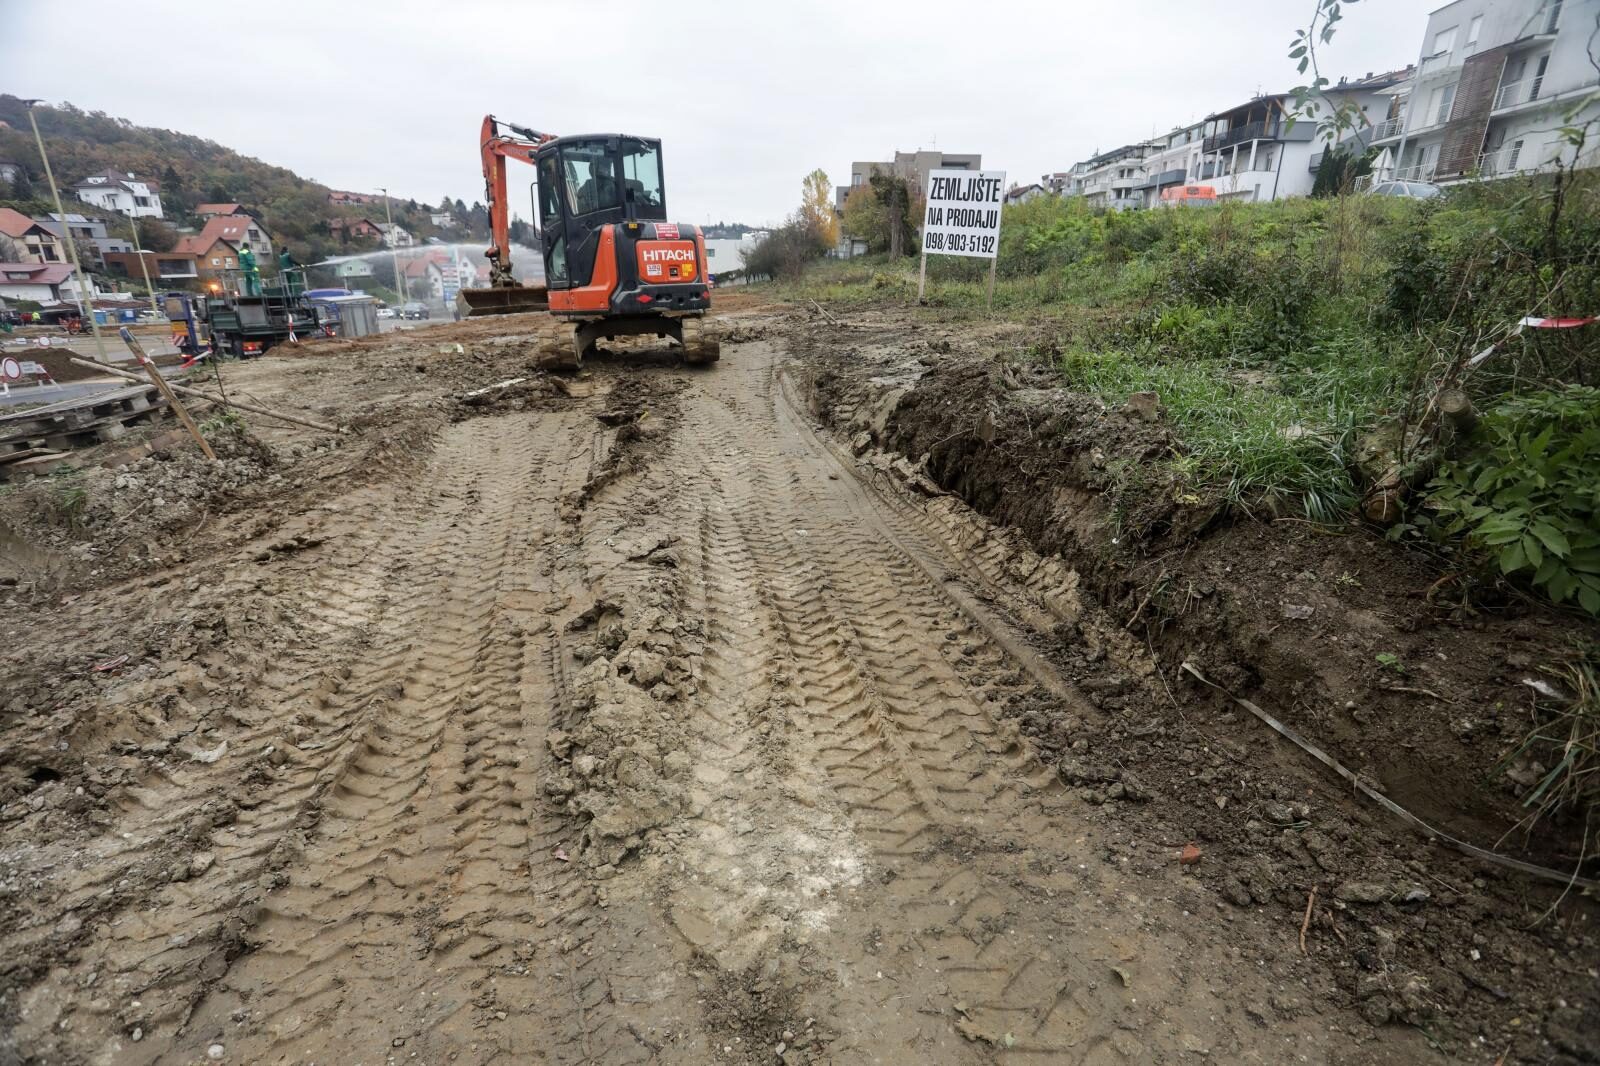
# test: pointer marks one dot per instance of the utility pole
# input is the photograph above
(85, 306)
(133, 224)
(394, 244)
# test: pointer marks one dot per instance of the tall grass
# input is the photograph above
(1276, 333)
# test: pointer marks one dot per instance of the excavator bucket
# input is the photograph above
(502, 300)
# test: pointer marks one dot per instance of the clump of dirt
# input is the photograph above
(93, 516)
(1332, 631)
(628, 771)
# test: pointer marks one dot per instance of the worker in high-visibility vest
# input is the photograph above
(250, 274)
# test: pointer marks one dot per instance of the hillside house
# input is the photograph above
(239, 230)
(213, 256)
(442, 219)
(1021, 194)
(122, 192)
(209, 211)
(430, 268)
(172, 269)
(39, 282)
(348, 199)
(30, 241)
(396, 236)
(92, 235)
(354, 229)
(354, 270)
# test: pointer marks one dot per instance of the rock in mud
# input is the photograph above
(1364, 892)
(1145, 406)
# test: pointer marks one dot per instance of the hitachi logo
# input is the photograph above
(669, 255)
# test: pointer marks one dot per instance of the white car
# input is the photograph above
(385, 312)
(1410, 190)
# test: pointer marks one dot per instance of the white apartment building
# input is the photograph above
(1255, 151)
(1173, 160)
(1494, 83)
(1113, 179)
(121, 192)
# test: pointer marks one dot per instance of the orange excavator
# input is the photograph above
(613, 265)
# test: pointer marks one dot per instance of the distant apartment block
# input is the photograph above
(1494, 84)
(913, 167)
(1111, 179)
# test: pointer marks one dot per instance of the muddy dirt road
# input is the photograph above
(634, 720)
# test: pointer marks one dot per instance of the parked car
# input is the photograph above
(385, 312)
(414, 310)
(1411, 190)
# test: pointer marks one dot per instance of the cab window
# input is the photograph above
(641, 176)
(549, 192)
(590, 171)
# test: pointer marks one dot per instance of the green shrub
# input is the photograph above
(1528, 495)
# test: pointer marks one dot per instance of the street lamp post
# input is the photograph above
(394, 243)
(133, 224)
(84, 305)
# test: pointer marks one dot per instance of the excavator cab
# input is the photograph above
(586, 183)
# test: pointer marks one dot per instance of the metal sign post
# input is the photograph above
(962, 218)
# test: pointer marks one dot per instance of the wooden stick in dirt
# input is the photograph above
(241, 405)
(166, 390)
(1310, 902)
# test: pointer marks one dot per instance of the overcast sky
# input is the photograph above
(748, 95)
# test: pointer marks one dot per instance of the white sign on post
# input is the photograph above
(962, 218)
(963, 213)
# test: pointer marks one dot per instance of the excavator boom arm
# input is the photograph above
(495, 148)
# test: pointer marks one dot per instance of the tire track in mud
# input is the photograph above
(353, 628)
(770, 850)
(982, 930)
(411, 890)
(281, 708)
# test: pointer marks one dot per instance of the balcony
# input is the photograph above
(1436, 64)
(1259, 130)
(1517, 93)
(1387, 129)
(1415, 172)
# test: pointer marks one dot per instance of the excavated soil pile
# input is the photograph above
(1292, 617)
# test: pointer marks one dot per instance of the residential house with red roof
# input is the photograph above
(213, 257)
(239, 230)
(39, 282)
(444, 273)
(212, 210)
(355, 229)
(29, 240)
